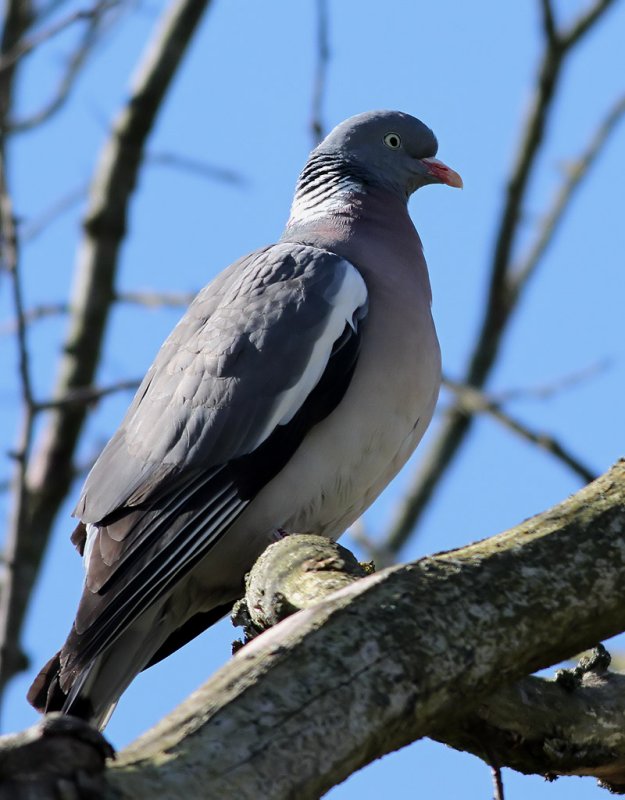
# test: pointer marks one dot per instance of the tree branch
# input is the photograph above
(198, 167)
(549, 24)
(383, 660)
(88, 395)
(95, 19)
(585, 22)
(50, 470)
(474, 401)
(11, 657)
(575, 173)
(321, 71)
(18, 17)
(503, 294)
(362, 673)
(551, 727)
(25, 46)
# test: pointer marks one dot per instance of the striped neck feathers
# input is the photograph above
(329, 185)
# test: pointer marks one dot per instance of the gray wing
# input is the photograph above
(263, 354)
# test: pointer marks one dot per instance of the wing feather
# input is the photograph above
(262, 355)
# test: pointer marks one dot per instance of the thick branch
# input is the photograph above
(570, 726)
(60, 757)
(385, 660)
(551, 728)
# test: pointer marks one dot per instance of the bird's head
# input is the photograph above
(390, 149)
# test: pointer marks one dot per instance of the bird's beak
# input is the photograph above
(441, 173)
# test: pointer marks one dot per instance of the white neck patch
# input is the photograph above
(324, 198)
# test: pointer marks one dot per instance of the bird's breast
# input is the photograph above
(349, 457)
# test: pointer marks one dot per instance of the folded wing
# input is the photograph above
(262, 355)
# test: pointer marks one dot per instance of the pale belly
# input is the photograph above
(347, 459)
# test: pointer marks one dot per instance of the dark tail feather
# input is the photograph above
(46, 695)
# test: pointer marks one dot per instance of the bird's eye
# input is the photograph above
(393, 140)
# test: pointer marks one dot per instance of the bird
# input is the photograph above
(294, 388)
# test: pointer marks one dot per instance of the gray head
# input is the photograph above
(389, 149)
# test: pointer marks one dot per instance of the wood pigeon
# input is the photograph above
(291, 392)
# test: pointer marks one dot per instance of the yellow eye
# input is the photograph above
(392, 140)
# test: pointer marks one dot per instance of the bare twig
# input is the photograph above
(321, 70)
(31, 315)
(498, 793)
(148, 299)
(473, 401)
(549, 24)
(585, 22)
(88, 395)
(95, 19)
(575, 173)
(33, 228)
(25, 46)
(359, 534)
(557, 386)
(50, 469)
(18, 17)
(502, 296)
(9, 258)
(197, 167)
(156, 299)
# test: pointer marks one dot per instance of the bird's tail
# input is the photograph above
(48, 694)
(45, 693)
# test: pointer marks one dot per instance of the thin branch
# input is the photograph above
(18, 17)
(585, 22)
(95, 27)
(26, 46)
(30, 229)
(321, 71)
(498, 792)
(473, 401)
(33, 228)
(502, 297)
(46, 10)
(31, 315)
(50, 469)
(88, 395)
(10, 260)
(548, 19)
(156, 299)
(557, 386)
(147, 299)
(575, 173)
(197, 167)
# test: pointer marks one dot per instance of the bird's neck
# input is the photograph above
(326, 187)
(334, 199)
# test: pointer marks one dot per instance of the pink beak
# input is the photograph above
(442, 173)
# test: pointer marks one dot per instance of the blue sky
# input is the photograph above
(242, 101)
